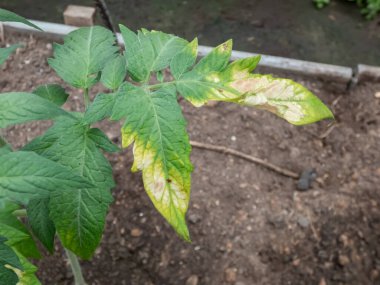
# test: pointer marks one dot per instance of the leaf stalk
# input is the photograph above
(75, 268)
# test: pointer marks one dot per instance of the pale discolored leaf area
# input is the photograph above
(214, 79)
(83, 55)
(283, 97)
(161, 148)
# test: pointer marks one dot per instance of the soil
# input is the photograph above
(248, 225)
(337, 34)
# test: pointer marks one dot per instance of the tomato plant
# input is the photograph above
(60, 182)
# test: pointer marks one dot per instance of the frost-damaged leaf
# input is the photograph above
(154, 122)
(8, 258)
(6, 52)
(83, 55)
(39, 219)
(78, 214)
(114, 73)
(24, 175)
(214, 79)
(149, 51)
(20, 107)
(53, 93)
(8, 16)
(283, 97)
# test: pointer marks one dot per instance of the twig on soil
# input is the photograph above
(328, 131)
(242, 155)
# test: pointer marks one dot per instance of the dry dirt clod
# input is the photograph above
(230, 275)
(192, 280)
(322, 281)
(343, 260)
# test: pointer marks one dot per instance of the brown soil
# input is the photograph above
(248, 225)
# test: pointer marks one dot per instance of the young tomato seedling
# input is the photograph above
(61, 181)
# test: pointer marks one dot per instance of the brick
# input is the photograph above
(79, 16)
(368, 73)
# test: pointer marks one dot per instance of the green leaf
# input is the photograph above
(154, 122)
(69, 143)
(79, 216)
(40, 222)
(6, 52)
(18, 235)
(83, 55)
(185, 59)
(149, 51)
(214, 79)
(78, 213)
(20, 107)
(114, 73)
(8, 260)
(216, 60)
(8, 256)
(160, 76)
(24, 175)
(53, 93)
(283, 97)
(102, 141)
(100, 108)
(27, 275)
(8, 16)
(4, 147)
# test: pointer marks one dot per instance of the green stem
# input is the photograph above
(20, 213)
(86, 98)
(159, 85)
(75, 267)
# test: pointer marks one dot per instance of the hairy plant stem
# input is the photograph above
(86, 98)
(75, 267)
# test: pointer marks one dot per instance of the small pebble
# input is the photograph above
(230, 275)
(377, 95)
(343, 260)
(303, 222)
(136, 232)
(192, 280)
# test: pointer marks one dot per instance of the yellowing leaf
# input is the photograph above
(213, 79)
(283, 97)
(155, 124)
